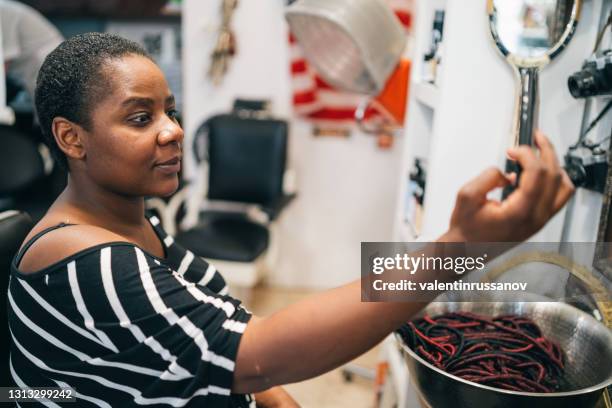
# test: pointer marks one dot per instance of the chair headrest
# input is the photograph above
(246, 157)
(20, 162)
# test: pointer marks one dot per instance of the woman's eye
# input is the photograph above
(140, 120)
(172, 113)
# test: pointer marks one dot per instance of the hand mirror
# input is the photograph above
(530, 34)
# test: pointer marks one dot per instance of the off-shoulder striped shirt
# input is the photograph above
(126, 328)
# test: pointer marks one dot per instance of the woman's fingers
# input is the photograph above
(476, 190)
(530, 181)
(566, 190)
(512, 178)
(547, 150)
(531, 201)
(554, 173)
(560, 183)
(544, 187)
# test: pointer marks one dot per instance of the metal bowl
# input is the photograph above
(587, 345)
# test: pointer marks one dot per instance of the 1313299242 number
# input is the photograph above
(12, 394)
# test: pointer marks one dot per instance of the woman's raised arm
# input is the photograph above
(329, 329)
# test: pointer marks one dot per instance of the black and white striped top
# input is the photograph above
(125, 328)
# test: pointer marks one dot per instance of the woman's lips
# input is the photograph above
(169, 167)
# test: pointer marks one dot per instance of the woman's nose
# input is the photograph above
(170, 133)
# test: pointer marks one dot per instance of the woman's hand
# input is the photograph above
(543, 190)
(275, 397)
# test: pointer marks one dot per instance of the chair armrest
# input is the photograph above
(274, 208)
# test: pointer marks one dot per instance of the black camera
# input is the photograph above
(595, 78)
(587, 167)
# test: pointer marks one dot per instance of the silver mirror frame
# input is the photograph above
(527, 70)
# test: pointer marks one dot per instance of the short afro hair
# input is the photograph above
(70, 81)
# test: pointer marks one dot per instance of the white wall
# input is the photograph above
(346, 187)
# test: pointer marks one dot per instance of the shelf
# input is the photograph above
(426, 93)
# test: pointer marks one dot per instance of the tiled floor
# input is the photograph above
(328, 390)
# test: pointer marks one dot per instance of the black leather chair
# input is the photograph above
(20, 161)
(246, 157)
(14, 226)
(28, 181)
(21, 167)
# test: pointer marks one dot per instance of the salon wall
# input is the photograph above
(346, 187)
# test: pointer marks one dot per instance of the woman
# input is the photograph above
(102, 300)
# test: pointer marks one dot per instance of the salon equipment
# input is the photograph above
(432, 58)
(586, 162)
(252, 108)
(507, 352)
(356, 46)
(246, 159)
(14, 226)
(20, 167)
(595, 77)
(587, 345)
(29, 180)
(582, 327)
(587, 167)
(419, 177)
(530, 34)
(20, 162)
(415, 197)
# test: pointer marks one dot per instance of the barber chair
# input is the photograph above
(14, 226)
(21, 167)
(26, 173)
(20, 162)
(245, 155)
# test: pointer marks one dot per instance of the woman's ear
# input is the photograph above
(69, 137)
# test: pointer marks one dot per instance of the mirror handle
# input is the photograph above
(528, 106)
(526, 120)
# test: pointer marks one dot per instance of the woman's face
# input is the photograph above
(133, 147)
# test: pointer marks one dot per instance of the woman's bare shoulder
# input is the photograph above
(60, 243)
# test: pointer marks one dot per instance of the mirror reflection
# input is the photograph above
(530, 28)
